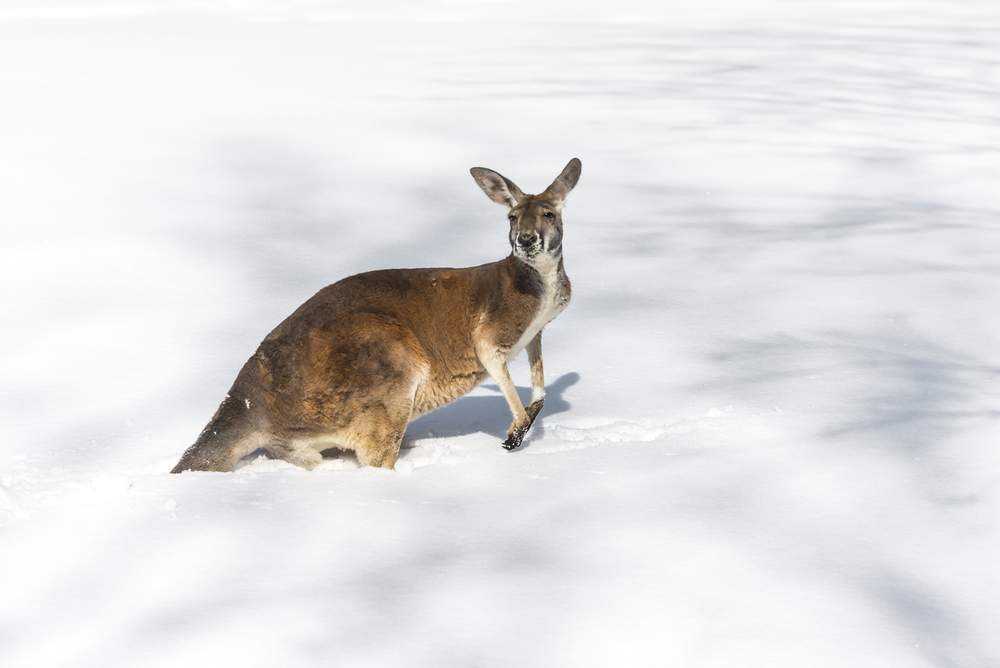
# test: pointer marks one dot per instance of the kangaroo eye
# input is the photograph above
(549, 214)
(512, 218)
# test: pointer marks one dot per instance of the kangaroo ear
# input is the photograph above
(556, 193)
(497, 187)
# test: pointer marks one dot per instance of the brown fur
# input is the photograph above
(361, 358)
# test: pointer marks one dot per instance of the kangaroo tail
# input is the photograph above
(223, 442)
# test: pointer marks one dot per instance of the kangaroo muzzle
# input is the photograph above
(527, 240)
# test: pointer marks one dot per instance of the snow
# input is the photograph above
(771, 407)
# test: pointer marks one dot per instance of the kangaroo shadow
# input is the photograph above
(489, 415)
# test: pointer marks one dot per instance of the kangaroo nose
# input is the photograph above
(526, 239)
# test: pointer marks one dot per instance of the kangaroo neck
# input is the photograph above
(536, 275)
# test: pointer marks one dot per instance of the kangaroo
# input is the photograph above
(361, 358)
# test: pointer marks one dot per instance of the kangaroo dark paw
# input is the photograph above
(515, 437)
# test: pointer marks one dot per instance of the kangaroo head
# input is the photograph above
(535, 220)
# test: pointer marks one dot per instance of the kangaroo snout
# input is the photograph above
(527, 239)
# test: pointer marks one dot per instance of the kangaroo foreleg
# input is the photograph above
(537, 372)
(496, 366)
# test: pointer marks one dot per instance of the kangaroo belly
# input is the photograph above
(442, 388)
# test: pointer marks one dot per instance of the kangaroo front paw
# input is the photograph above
(516, 433)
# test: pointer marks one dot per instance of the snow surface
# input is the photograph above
(770, 435)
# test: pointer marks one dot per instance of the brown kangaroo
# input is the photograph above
(356, 362)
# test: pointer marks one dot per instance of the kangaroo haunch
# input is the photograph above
(355, 363)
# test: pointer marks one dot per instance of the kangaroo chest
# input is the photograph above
(554, 298)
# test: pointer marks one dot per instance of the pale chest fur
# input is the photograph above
(554, 298)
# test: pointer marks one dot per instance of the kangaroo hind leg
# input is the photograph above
(378, 432)
(303, 456)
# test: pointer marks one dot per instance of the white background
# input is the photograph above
(771, 431)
